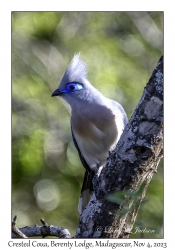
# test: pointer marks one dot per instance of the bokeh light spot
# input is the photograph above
(46, 194)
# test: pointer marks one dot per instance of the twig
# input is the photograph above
(16, 231)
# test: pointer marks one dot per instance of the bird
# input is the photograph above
(96, 123)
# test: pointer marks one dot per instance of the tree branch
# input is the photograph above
(43, 231)
(129, 168)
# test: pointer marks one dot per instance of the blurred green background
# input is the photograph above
(121, 50)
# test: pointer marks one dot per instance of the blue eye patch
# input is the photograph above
(72, 87)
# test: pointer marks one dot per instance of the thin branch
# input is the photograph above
(43, 231)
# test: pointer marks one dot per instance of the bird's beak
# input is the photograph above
(57, 92)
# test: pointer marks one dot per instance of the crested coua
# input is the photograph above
(96, 122)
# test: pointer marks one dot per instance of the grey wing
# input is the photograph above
(87, 187)
(119, 107)
(83, 161)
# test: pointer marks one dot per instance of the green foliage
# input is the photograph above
(121, 50)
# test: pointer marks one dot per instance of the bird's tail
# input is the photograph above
(86, 191)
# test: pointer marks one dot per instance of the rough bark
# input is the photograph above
(129, 168)
(128, 172)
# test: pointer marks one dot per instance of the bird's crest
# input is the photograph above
(76, 72)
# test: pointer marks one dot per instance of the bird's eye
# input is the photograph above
(73, 86)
